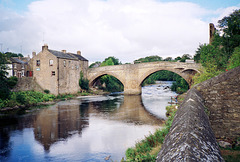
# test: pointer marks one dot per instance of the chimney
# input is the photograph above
(33, 54)
(45, 47)
(79, 53)
(64, 51)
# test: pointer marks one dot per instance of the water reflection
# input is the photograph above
(82, 129)
(60, 122)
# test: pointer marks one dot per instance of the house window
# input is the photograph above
(69, 62)
(53, 73)
(50, 62)
(15, 66)
(23, 73)
(38, 62)
(64, 63)
(22, 66)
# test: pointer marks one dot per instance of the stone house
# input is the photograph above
(19, 67)
(58, 72)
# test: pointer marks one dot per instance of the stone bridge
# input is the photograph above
(132, 75)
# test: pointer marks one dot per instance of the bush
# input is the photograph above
(83, 82)
(46, 91)
(12, 81)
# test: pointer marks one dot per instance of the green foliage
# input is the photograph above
(4, 89)
(207, 73)
(230, 26)
(95, 64)
(108, 82)
(112, 84)
(142, 149)
(12, 81)
(180, 86)
(185, 57)
(168, 59)
(110, 61)
(10, 54)
(224, 52)
(83, 82)
(148, 59)
(46, 91)
(234, 60)
(25, 98)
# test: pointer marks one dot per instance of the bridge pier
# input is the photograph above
(132, 91)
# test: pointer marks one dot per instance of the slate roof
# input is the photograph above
(79, 57)
(67, 55)
(16, 60)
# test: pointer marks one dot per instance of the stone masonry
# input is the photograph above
(222, 98)
(132, 75)
(190, 137)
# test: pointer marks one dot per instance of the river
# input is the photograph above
(86, 128)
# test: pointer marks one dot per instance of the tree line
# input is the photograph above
(223, 53)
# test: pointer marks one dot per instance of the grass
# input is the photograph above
(148, 148)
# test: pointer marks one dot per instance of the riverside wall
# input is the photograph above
(190, 137)
(210, 110)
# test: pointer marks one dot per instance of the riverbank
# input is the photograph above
(24, 100)
(148, 148)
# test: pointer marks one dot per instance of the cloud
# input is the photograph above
(126, 29)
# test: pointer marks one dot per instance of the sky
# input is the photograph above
(125, 29)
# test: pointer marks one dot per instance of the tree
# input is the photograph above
(4, 89)
(10, 54)
(168, 59)
(234, 60)
(230, 26)
(83, 82)
(149, 59)
(110, 61)
(185, 57)
(95, 64)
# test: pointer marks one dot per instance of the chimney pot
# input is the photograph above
(44, 47)
(79, 53)
(64, 51)
(33, 54)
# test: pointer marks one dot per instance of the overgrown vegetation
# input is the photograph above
(83, 82)
(6, 83)
(224, 52)
(143, 150)
(26, 98)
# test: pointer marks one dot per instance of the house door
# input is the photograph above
(19, 75)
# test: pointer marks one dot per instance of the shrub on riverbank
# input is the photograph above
(25, 98)
(143, 150)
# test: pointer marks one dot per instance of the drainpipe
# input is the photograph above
(58, 75)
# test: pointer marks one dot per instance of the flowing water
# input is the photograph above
(84, 129)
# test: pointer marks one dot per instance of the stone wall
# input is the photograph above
(27, 84)
(221, 96)
(191, 137)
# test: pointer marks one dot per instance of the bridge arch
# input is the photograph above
(94, 78)
(180, 72)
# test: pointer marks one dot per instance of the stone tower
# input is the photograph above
(211, 32)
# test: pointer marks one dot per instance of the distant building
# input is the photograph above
(18, 66)
(189, 61)
(58, 71)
